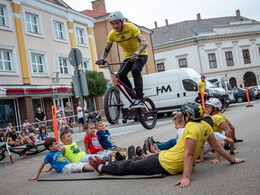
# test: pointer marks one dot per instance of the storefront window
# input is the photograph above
(36, 104)
(7, 113)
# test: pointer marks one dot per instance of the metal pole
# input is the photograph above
(81, 91)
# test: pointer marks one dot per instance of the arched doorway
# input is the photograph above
(233, 82)
(249, 79)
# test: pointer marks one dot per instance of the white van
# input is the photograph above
(170, 89)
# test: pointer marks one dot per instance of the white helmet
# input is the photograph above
(116, 16)
(214, 102)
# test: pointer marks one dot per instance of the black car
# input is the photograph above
(240, 94)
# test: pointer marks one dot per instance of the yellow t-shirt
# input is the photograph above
(217, 120)
(224, 116)
(202, 86)
(126, 39)
(172, 159)
(73, 153)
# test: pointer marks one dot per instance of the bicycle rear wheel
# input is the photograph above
(148, 114)
(112, 105)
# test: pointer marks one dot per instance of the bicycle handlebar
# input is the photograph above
(106, 64)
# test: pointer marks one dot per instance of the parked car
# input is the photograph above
(240, 95)
(256, 91)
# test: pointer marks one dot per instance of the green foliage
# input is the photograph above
(97, 84)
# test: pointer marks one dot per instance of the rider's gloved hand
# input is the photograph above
(134, 58)
(100, 62)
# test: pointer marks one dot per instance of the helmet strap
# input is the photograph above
(122, 25)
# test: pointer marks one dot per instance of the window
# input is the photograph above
(63, 63)
(2, 16)
(37, 63)
(189, 85)
(246, 56)
(160, 67)
(32, 23)
(183, 63)
(229, 58)
(212, 60)
(85, 66)
(5, 60)
(59, 30)
(80, 36)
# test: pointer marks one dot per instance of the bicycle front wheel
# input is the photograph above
(148, 114)
(112, 105)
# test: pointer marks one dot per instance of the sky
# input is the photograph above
(145, 12)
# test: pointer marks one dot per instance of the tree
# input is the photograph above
(97, 85)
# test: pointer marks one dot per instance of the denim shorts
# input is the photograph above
(81, 120)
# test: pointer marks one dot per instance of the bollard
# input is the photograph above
(248, 100)
(203, 102)
(56, 134)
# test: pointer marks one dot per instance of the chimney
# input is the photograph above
(238, 12)
(155, 24)
(99, 5)
(166, 21)
(198, 16)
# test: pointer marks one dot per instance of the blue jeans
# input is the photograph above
(166, 145)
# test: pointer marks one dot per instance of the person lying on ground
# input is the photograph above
(220, 139)
(30, 135)
(152, 147)
(58, 162)
(2, 136)
(105, 138)
(178, 159)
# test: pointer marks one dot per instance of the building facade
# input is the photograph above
(228, 47)
(36, 38)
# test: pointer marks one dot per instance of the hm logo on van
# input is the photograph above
(163, 89)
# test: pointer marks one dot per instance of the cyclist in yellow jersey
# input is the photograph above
(178, 159)
(221, 122)
(133, 43)
(202, 87)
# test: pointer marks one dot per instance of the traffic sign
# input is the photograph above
(75, 57)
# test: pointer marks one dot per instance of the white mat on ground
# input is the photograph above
(92, 176)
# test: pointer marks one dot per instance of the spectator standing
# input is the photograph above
(40, 116)
(80, 116)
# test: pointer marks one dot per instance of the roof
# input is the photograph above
(191, 28)
(93, 13)
(59, 2)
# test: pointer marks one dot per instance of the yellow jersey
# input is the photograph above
(202, 86)
(73, 153)
(172, 159)
(126, 39)
(217, 120)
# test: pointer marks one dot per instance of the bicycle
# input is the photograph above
(147, 115)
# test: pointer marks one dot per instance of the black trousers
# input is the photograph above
(136, 68)
(145, 166)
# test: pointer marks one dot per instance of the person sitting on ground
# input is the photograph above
(152, 147)
(30, 135)
(105, 138)
(26, 139)
(72, 152)
(26, 124)
(58, 162)
(221, 122)
(2, 136)
(178, 159)
(15, 139)
(69, 124)
(43, 134)
(92, 145)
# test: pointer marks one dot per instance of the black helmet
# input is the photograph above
(194, 110)
(203, 76)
